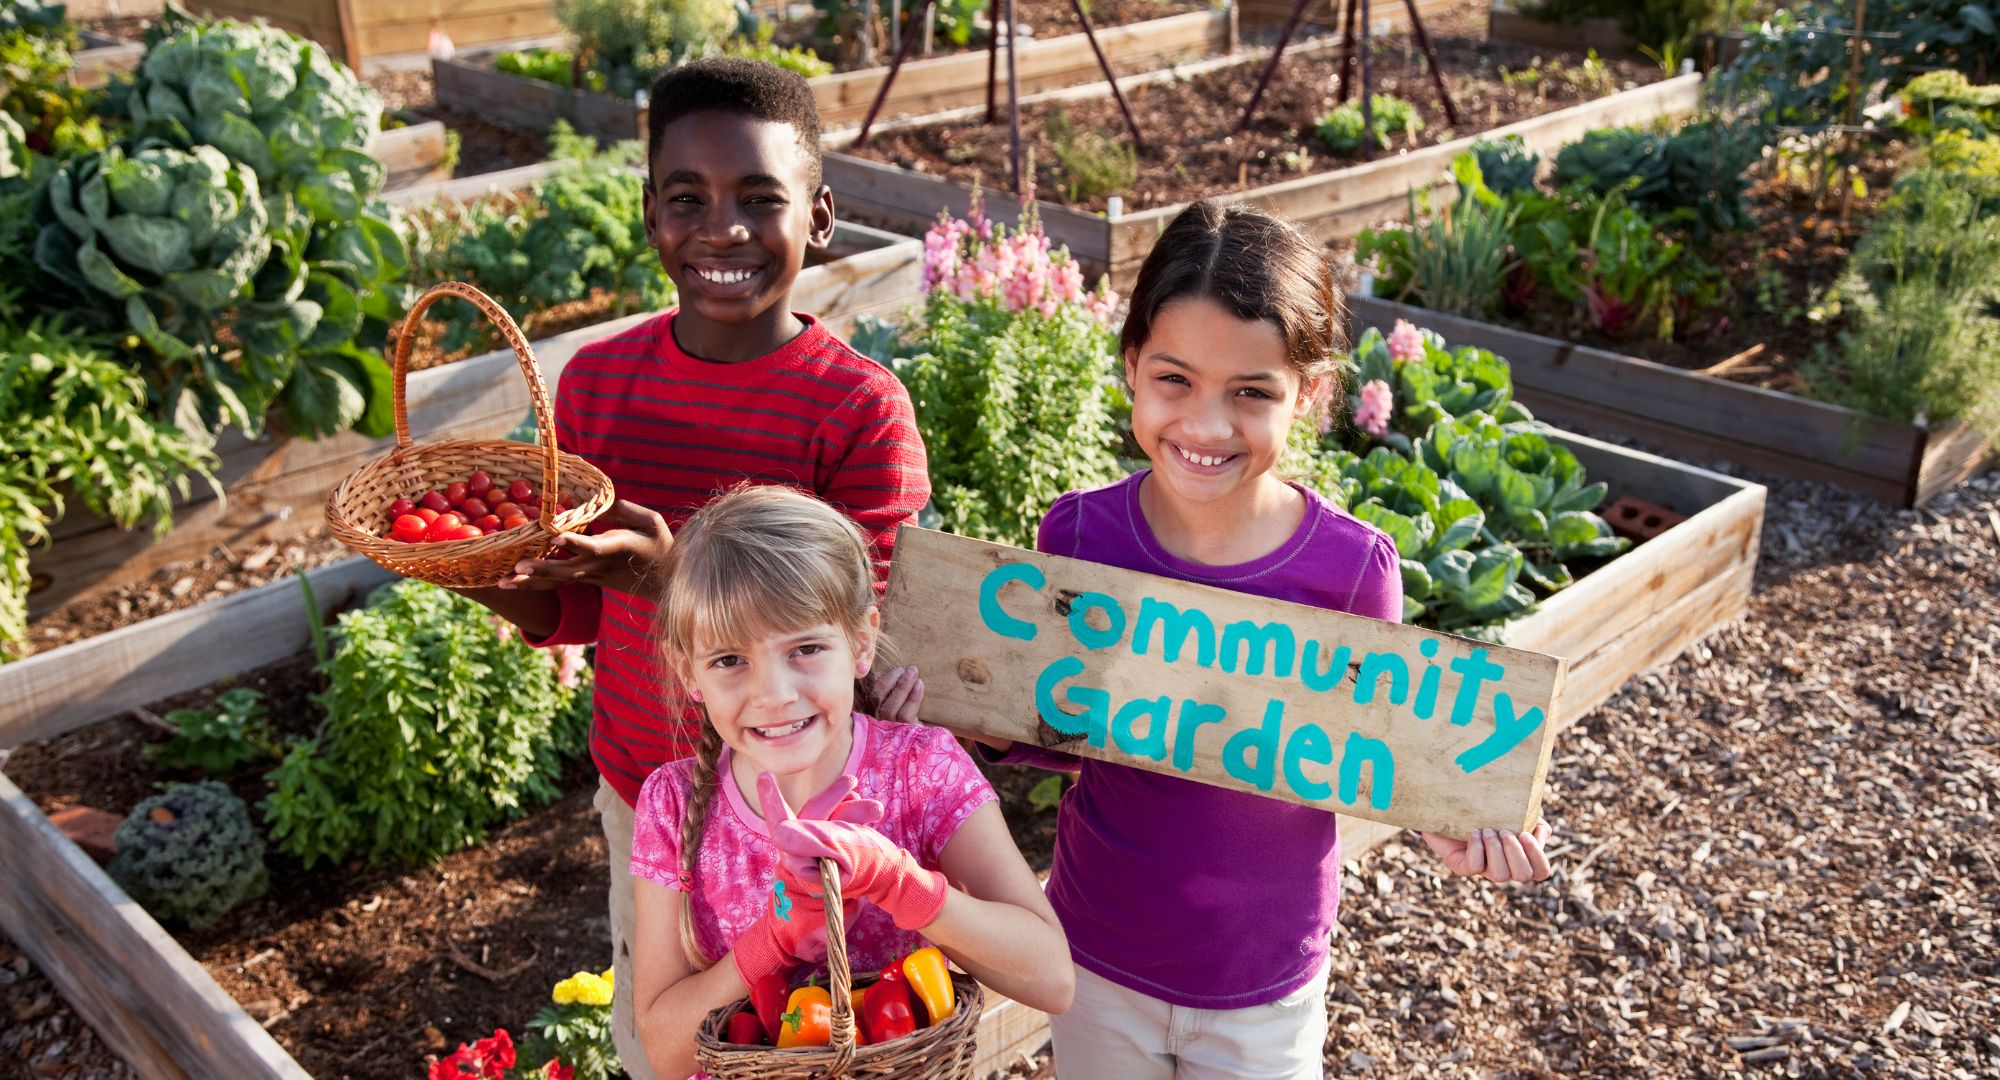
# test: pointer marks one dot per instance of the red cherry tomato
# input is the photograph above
(466, 532)
(429, 515)
(478, 482)
(408, 529)
(400, 507)
(504, 510)
(532, 513)
(489, 522)
(513, 522)
(487, 531)
(455, 493)
(443, 527)
(473, 508)
(520, 491)
(435, 500)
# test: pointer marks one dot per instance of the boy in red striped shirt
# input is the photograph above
(730, 387)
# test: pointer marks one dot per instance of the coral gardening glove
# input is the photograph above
(793, 925)
(871, 867)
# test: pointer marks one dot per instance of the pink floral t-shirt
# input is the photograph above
(927, 785)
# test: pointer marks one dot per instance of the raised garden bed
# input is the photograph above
(104, 56)
(1701, 416)
(1189, 158)
(469, 84)
(358, 31)
(275, 485)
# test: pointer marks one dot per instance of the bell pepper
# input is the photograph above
(768, 998)
(888, 1012)
(930, 979)
(808, 1019)
(746, 1030)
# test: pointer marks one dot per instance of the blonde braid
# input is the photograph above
(706, 783)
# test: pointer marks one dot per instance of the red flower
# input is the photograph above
(487, 1059)
(556, 1070)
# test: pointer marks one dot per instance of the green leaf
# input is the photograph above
(1046, 795)
(327, 394)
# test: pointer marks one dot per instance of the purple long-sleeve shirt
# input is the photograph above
(1193, 894)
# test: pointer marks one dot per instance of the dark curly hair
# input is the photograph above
(735, 85)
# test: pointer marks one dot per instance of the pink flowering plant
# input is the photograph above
(1012, 363)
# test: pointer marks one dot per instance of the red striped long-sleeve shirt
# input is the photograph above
(672, 432)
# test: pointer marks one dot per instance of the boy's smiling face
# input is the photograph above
(732, 209)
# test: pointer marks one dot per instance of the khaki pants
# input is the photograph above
(1110, 1031)
(617, 818)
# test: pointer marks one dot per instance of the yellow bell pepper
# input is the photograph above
(928, 975)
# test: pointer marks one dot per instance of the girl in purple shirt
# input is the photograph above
(1199, 917)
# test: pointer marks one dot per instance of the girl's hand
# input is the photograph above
(900, 691)
(620, 558)
(1498, 855)
(871, 867)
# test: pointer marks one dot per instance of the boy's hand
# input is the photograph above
(900, 691)
(1499, 855)
(620, 558)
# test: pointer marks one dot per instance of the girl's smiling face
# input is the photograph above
(785, 701)
(1213, 397)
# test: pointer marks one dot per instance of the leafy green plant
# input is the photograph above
(1921, 294)
(1453, 257)
(1675, 22)
(33, 17)
(1700, 171)
(1507, 165)
(1343, 128)
(190, 854)
(1947, 100)
(796, 59)
(77, 428)
(578, 234)
(556, 66)
(440, 722)
(1047, 794)
(216, 740)
(1091, 164)
(575, 1031)
(1484, 509)
(631, 41)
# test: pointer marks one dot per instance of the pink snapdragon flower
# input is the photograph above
(973, 259)
(1406, 342)
(1372, 414)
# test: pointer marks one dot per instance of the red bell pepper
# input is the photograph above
(746, 1030)
(768, 997)
(888, 1012)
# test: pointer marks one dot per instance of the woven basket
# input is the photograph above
(939, 1052)
(358, 510)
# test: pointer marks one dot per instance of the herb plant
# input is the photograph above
(556, 66)
(1091, 164)
(1343, 128)
(440, 723)
(1453, 257)
(216, 740)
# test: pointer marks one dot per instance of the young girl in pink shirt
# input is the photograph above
(769, 618)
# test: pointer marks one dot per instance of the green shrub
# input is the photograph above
(1091, 164)
(190, 854)
(440, 722)
(631, 41)
(77, 428)
(579, 233)
(797, 59)
(1342, 129)
(218, 739)
(1921, 293)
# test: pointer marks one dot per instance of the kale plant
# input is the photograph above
(190, 855)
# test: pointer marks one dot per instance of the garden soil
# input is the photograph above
(1774, 856)
(1190, 151)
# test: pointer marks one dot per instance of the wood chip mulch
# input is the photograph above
(1775, 856)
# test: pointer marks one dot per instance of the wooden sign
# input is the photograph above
(1393, 723)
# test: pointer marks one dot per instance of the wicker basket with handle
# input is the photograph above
(943, 1051)
(358, 509)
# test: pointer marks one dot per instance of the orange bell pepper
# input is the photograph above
(931, 979)
(808, 1019)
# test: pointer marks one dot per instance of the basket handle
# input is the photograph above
(538, 391)
(840, 980)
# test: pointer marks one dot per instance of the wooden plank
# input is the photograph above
(81, 683)
(412, 155)
(537, 20)
(97, 65)
(1951, 455)
(468, 188)
(1682, 411)
(912, 199)
(136, 987)
(1007, 1029)
(441, 13)
(948, 82)
(1601, 34)
(1258, 12)
(1080, 657)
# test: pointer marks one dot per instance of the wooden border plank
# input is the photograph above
(412, 155)
(49, 693)
(1707, 418)
(131, 981)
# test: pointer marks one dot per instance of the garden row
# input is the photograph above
(1493, 513)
